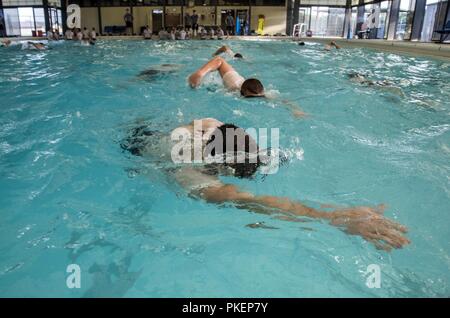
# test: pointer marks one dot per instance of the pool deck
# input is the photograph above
(436, 50)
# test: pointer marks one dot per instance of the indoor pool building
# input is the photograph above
(408, 20)
(223, 148)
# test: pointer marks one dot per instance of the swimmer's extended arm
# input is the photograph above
(215, 64)
(294, 108)
(290, 105)
(223, 49)
(367, 222)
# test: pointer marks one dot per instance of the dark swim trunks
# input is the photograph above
(137, 140)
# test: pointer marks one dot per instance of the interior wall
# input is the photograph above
(206, 14)
(142, 17)
(113, 16)
(89, 18)
(274, 22)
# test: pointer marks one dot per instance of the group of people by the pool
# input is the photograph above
(85, 37)
(182, 33)
(213, 138)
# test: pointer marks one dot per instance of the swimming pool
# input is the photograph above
(70, 195)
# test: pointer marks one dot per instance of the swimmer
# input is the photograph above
(226, 49)
(36, 46)
(359, 78)
(301, 43)
(157, 71)
(220, 33)
(250, 87)
(332, 44)
(240, 157)
(6, 43)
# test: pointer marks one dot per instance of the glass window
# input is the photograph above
(174, 2)
(405, 17)
(335, 24)
(26, 21)
(319, 17)
(327, 21)
(353, 22)
(267, 2)
(304, 15)
(22, 2)
(381, 12)
(39, 19)
(12, 23)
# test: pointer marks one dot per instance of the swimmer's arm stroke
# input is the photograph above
(295, 109)
(223, 49)
(215, 64)
(367, 222)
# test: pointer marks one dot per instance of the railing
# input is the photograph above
(298, 30)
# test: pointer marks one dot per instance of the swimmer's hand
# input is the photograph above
(195, 80)
(370, 224)
(298, 114)
(296, 111)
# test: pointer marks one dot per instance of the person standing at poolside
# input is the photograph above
(229, 22)
(207, 149)
(2, 30)
(93, 35)
(69, 35)
(128, 18)
(56, 35)
(79, 35)
(49, 35)
(147, 33)
(220, 33)
(85, 33)
(182, 34)
(194, 22)
(250, 87)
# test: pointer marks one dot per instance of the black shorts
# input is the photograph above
(129, 24)
(138, 138)
(195, 26)
(230, 28)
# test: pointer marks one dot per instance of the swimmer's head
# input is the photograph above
(301, 43)
(252, 87)
(237, 143)
(355, 75)
(238, 56)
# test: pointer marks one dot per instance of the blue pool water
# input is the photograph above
(68, 194)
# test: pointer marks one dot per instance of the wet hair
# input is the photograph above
(354, 74)
(242, 144)
(252, 88)
(301, 43)
(238, 56)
